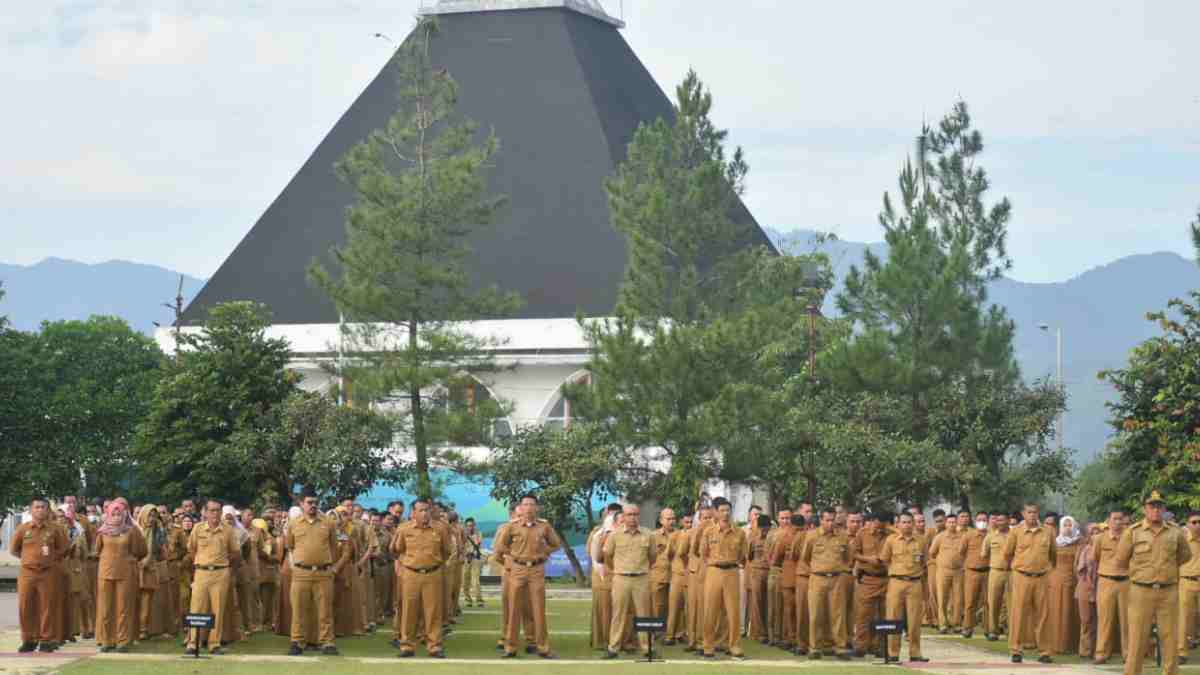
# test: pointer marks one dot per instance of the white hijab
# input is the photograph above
(1067, 535)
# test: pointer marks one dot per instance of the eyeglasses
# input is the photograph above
(1194, 522)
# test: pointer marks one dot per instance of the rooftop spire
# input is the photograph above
(591, 8)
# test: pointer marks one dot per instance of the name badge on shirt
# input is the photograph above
(918, 558)
(343, 537)
(45, 550)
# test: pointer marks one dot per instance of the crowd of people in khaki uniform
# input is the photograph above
(809, 583)
(815, 584)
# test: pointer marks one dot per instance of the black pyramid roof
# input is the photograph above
(564, 93)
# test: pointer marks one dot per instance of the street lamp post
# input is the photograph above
(811, 284)
(1058, 339)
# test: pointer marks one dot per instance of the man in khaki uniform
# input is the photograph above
(758, 569)
(846, 585)
(1030, 551)
(904, 556)
(677, 553)
(1154, 550)
(781, 582)
(629, 554)
(505, 564)
(312, 541)
(827, 555)
(1112, 591)
(932, 617)
(946, 551)
(528, 543)
(696, 574)
(1189, 589)
(975, 574)
(660, 574)
(268, 572)
(40, 545)
(213, 549)
(870, 591)
(422, 550)
(800, 628)
(723, 547)
(998, 574)
(248, 576)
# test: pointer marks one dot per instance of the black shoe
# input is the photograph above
(499, 647)
(1182, 660)
(917, 659)
(312, 648)
(800, 651)
(858, 653)
(944, 630)
(550, 656)
(215, 651)
(967, 634)
(106, 649)
(71, 639)
(89, 636)
(406, 654)
(739, 657)
(395, 643)
(510, 655)
(815, 655)
(843, 656)
(689, 649)
(123, 649)
(530, 649)
(295, 650)
(27, 647)
(765, 641)
(329, 650)
(1045, 659)
(991, 637)
(1016, 658)
(610, 654)
(668, 643)
(437, 655)
(710, 657)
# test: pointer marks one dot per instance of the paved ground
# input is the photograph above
(8, 612)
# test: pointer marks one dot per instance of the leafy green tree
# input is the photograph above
(1157, 411)
(1097, 490)
(226, 378)
(3, 317)
(401, 280)
(675, 199)
(567, 468)
(1193, 228)
(24, 392)
(309, 441)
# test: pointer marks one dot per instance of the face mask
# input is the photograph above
(981, 525)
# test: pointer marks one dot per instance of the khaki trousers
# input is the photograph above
(630, 598)
(869, 604)
(756, 597)
(1149, 606)
(1029, 609)
(906, 600)
(774, 606)
(722, 598)
(1087, 626)
(848, 589)
(796, 618)
(247, 597)
(695, 609)
(424, 595)
(114, 613)
(677, 607)
(996, 599)
(210, 595)
(35, 600)
(472, 591)
(268, 600)
(527, 614)
(660, 595)
(826, 613)
(601, 613)
(312, 599)
(950, 593)
(931, 602)
(1189, 600)
(1112, 617)
(527, 587)
(975, 585)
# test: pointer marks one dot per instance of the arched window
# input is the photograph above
(560, 414)
(467, 394)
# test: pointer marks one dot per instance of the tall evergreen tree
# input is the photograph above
(401, 282)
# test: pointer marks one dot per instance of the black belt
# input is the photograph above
(1001, 569)
(872, 574)
(1195, 578)
(724, 566)
(1155, 585)
(1115, 578)
(1035, 575)
(423, 570)
(828, 574)
(529, 563)
(896, 576)
(978, 569)
(314, 568)
(211, 568)
(631, 574)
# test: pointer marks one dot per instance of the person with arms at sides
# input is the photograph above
(213, 548)
(311, 542)
(903, 554)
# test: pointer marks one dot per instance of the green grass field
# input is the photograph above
(474, 638)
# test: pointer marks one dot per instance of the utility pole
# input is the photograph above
(177, 308)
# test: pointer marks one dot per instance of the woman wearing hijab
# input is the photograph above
(1086, 569)
(1063, 614)
(187, 570)
(344, 623)
(120, 545)
(148, 569)
(76, 614)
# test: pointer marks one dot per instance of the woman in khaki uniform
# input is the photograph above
(148, 571)
(75, 565)
(1064, 608)
(344, 611)
(186, 571)
(119, 545)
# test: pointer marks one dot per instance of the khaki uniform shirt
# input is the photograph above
(904, 556)
(780, 547)
(661, 572)
(630, 552)
(677, 552)
(947, 550)
(993, 544)
(1154, 556)
(116, 554)
(312, 543)
(826, 552)
(759, 550)
(421, 548)
(796, 552)
(213, 546)
(721, 546)
(38, 545)
(1192, 567)
(528, 542)
(1104, 550)
(975, 556)
(693, 549)
(1030, 550)
(865, 548)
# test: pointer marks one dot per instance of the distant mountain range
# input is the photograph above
(1102, 311)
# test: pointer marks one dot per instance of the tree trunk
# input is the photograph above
(964, 502)
(424, 486)
(812, 489)
(575, 565)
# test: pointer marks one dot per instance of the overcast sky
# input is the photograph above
(158, 131)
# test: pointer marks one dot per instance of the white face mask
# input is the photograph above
(981, 525)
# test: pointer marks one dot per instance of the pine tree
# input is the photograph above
(401, 281)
